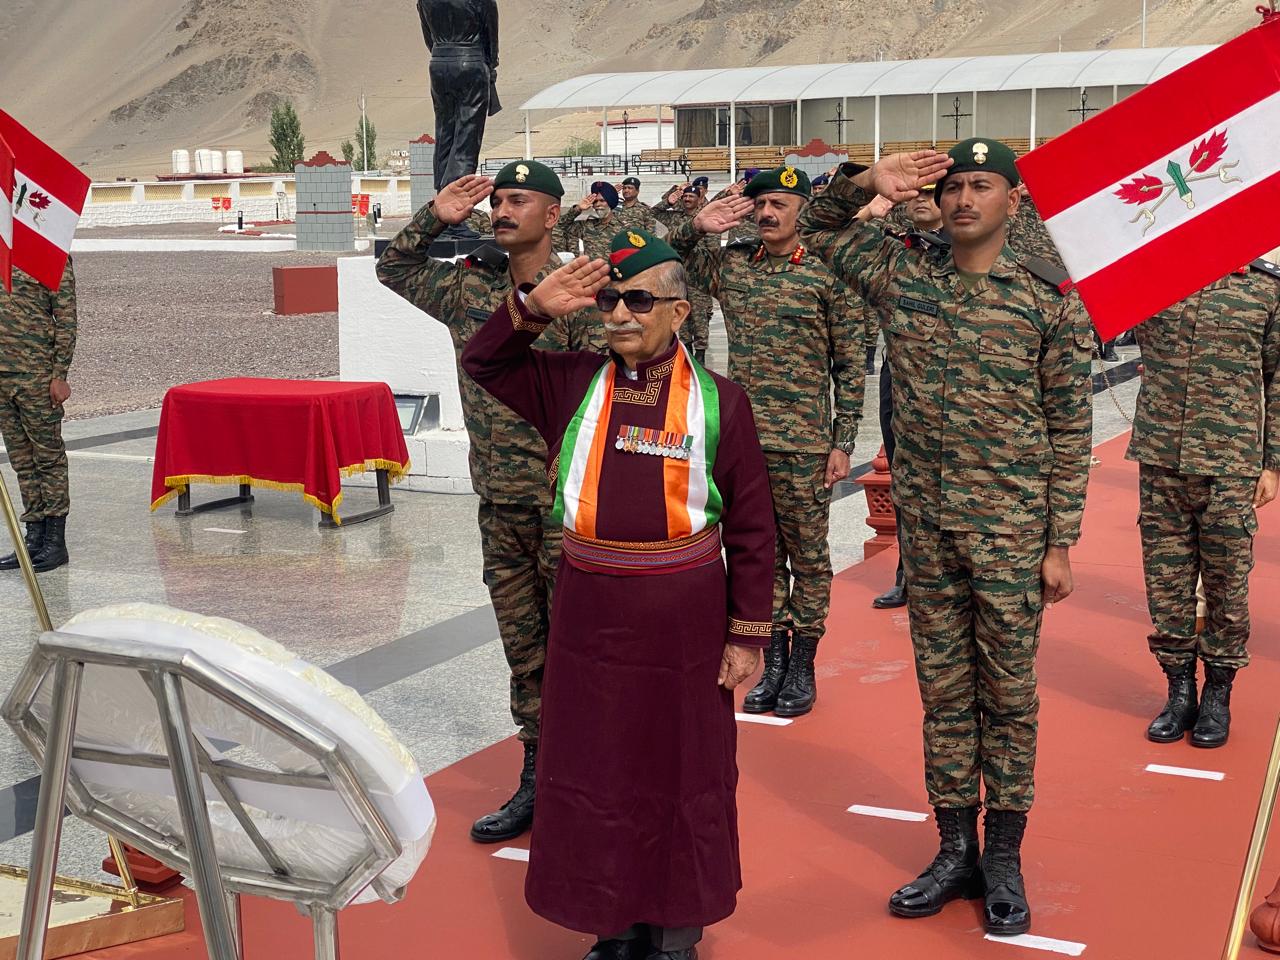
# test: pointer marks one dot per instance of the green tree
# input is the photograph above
(286, 138)
(349, 153)
(365, 142)
(580, 147)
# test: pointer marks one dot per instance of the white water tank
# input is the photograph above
(215, 162)
(235, 161)
(182, 161)
(202, 161)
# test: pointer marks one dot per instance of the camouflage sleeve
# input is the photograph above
(406, 268)
(859, 253)
(1068, 411)
(1029, 237)
(846, 322)
(64, 323)
(568, 230)
(1271, 390)
(481, 223)
(702, 262)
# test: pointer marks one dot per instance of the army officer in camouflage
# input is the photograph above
(795, 340)
(679, 206)
(520, 541)
(991, 412)
(37, 340)
(1206, 436)
(631, 213)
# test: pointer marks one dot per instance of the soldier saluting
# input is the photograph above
(993, 422)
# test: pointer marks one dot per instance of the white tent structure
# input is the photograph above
(1021, 79)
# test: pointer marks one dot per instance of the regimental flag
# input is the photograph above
(48, 196)
(1172, 188)
(6, 216)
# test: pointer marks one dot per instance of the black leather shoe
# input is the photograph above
(516, 815)
(763, 697)
(688, 953)
(1214, 723)
(634, 949)
(953, 872)
(800, 689)
(895, 596)
(34, 539)
(1180, 710)
(53, 549)
(1006, 912)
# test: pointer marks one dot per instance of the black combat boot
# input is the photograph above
(1006, 912)
(33, 540)
(1179, 712)
(687, 953)
(516, 815)
(1214, 722)
(764, 695)
(800, 689)
(953, 872)
(53, 551)
(637, 948)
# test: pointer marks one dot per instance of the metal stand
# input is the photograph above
(185, 509)
(381, 510)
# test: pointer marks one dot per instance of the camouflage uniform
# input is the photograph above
(638, 216)
(1028, 236)
(1206, 425)
(696, 332)
(992, 418)
(37, 340)
(481, 223)
(746, 230)
(520, 541)
(794, 332)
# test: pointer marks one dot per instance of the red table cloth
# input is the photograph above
(297, 435)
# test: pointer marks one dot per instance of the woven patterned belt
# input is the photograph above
(642, 559)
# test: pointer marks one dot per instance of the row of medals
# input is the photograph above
(658, 443)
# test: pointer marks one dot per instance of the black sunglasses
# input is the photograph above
(637, 301)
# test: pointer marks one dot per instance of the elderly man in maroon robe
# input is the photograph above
(662, 603)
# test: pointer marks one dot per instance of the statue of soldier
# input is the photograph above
(462, 36)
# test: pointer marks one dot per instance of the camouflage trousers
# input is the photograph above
(521, 546)
(802, 568)
(696, 330)
(32, 429)
(975, 602)
(1197, 527)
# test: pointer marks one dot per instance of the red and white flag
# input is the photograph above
(1170, 189)
(48, 196)
(6, 215)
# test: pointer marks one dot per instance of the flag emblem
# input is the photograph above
(1151, 192)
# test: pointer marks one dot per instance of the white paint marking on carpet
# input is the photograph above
(1068, 947)
(767, 721)
(96, 455)
(513, 853)
(1185, 772)
(238, 533)
(886, 813)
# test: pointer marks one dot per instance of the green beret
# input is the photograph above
(529, 175)
(635, 251)
(781, 180)
(978, 153)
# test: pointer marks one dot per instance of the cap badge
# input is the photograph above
(522, 173)
(789, 178)
(635, 239)
(980, 152)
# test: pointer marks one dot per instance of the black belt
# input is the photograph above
(458, 51)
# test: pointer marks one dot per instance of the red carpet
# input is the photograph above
(1128, 863)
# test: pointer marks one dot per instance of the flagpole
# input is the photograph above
(1144, 23)
(1257, 845)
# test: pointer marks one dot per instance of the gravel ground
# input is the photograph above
(148, 321)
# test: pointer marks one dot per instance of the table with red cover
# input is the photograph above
(297, 435)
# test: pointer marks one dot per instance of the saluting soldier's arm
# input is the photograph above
(845, 322)
(406, 268)
(64, 323)
(701, 263)
(1065, 385)
(1271, 389)
(858, 252)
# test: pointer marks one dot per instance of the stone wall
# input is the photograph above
(324, 218)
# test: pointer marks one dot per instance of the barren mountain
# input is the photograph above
(118, 84)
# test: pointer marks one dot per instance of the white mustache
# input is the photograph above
(630, 327)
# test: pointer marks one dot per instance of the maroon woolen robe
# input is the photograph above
(636, 818)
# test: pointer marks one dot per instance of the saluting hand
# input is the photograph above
(723, 214)
(877, 209)
(1265, 491)
(455, 202)
(571, 288)
(738, 663)
(900, 176)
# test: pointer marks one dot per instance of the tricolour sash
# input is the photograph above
(693, 409)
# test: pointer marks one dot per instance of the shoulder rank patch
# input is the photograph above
(1267, 267)
(476, 313)
(919, 306)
